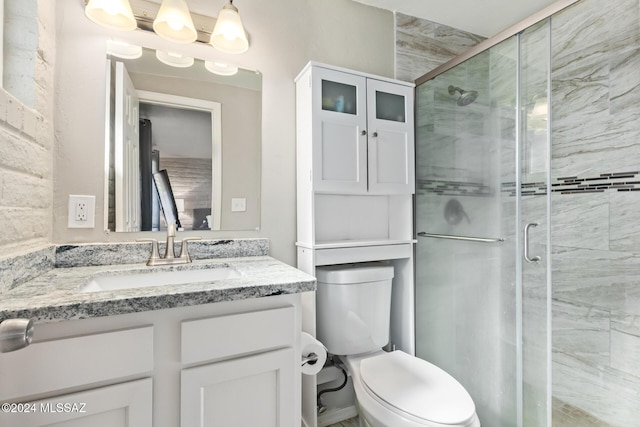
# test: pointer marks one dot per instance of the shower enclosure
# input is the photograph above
(527, 285)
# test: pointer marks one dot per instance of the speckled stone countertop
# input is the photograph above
(56, 295)
(45, 284)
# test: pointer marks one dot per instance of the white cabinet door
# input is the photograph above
(339, 132)
(251, 391)
(121, 405)
(390, 144)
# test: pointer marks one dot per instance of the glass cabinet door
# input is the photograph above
(390, 143)
(339, 97)
(390, 106)
(339, 132)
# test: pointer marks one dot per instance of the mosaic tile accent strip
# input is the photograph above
(453, 188)
(616, 181)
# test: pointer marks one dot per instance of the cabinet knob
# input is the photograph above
(363, 132)
(375, 134)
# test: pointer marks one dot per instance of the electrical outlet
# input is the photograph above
(81, 211)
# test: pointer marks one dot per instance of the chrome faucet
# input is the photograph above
(169, 257)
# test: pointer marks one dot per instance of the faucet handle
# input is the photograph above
(154, 250)
(184, 249)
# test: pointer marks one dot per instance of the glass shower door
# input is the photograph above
(481, 308)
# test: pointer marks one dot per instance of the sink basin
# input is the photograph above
(158, 278)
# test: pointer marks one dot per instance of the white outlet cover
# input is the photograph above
(90, 202)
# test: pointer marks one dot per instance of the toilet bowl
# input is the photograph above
(392, 389)
(398, 390)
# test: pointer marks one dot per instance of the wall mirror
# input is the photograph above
(183, 145)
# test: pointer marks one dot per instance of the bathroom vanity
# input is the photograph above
(218, 352)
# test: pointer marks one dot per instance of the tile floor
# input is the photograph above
(564, 415)
(351, 422)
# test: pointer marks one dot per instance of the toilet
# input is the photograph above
(393, 389)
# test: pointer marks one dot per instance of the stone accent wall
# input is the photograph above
(27, 138)
(423, 45)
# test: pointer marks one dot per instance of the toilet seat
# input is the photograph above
(417, 388)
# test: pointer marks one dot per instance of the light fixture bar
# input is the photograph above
(145, 12)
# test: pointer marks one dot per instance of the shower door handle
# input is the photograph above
(526, 243)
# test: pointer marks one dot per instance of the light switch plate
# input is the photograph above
(81, 211)
(239, 205)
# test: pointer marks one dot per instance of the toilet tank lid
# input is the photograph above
(354, 273)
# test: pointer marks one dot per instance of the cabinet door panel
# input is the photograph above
(390, 143)
(340, 151)
(251, 391)
(121, 405)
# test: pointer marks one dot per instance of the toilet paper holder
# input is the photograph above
(310, 359)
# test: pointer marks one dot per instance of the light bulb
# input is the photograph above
(175, 25)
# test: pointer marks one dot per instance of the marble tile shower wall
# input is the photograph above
(596, 232)
(423, 45)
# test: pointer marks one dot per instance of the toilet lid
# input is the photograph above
(417, 387)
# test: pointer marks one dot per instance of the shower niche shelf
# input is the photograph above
(355, 186)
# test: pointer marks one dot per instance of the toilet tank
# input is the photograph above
(353, 307)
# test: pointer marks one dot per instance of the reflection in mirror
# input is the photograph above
(202, 129)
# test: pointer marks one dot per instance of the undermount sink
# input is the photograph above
(158, 278)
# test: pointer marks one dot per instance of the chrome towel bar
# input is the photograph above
(464, 238)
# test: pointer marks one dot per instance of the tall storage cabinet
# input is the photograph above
(355, 185)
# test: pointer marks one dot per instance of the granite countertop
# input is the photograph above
(55, 295)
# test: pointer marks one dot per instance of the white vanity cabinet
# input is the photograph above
(54, 367)
(356, 131)
(254, 390)
(234, 363)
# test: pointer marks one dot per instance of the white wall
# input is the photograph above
(284, 36)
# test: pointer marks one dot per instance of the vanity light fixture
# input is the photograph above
(174, 22)
(220, 68)
(113, 14)
(123, 50)
(229, 35)
(174, 59)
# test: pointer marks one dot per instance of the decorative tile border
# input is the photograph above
(453, 188)
(619, 181)
(616, 181)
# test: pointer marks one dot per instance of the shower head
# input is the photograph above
(466, 96)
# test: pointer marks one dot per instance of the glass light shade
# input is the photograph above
(123, 50)
(220, 68)
(174, 59)
(112, 14)
(228, 35)
(174, 22)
